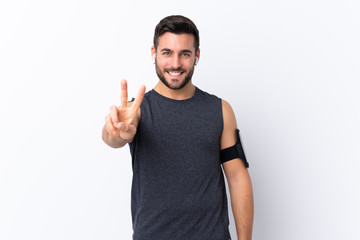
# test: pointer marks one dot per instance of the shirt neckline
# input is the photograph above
(174, 100)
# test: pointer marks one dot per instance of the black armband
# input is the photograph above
(235, 151)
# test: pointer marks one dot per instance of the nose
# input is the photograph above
(175, 62)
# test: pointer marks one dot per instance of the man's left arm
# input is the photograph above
(238, 179)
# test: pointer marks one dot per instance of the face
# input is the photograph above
(175, 59)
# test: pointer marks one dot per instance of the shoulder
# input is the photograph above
(228, 112)
(229, 125)
(148, 94)
(226, 109)
(144, 102)
(228, 137)
(209, 99)
(225, 106)
(206, 94)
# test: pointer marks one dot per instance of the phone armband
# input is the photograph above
(235, 151)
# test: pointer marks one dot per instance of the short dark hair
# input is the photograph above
(176, 24)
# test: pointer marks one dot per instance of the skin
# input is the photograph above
(238, 179)
(121, 122)
(176, 53)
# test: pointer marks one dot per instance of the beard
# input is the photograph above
(170, 84)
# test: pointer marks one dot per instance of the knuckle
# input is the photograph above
(109, 128)
(108, 121)
(113, 109)
(113, 114)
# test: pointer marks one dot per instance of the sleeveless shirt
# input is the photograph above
(178, 190)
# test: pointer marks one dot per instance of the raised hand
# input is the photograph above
(121, 123)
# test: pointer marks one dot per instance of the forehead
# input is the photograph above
(177, 42)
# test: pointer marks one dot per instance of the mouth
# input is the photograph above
(175, 73)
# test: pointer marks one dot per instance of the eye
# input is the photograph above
(186, 54)
(166, 53)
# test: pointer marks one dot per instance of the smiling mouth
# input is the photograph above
(174, 73)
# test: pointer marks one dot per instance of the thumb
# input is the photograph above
(127, 131)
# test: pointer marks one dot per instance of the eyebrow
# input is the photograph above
(165, 49)
(186, 51)
(182, 51)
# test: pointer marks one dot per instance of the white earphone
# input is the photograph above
(153, 58)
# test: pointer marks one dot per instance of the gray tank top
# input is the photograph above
(178, 190)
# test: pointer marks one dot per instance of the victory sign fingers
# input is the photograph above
(139, 98)
(121, 122)
(123, 94)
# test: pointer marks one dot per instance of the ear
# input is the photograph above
(197, 56)
(153, 52)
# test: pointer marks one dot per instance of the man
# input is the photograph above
(179, 136)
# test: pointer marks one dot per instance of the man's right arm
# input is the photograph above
(113, 142)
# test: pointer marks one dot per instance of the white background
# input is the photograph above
(290, 70)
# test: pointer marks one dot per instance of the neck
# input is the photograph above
(180, 94)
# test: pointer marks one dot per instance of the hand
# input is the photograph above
(121, 122)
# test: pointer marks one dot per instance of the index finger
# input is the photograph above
(123, 94)
(139, 98)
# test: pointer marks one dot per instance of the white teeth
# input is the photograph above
(175, 73)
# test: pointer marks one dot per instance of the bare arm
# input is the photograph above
(238, 178)
(121, 123)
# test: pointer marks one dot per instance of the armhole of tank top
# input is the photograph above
(222, 115)
(135, 137)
